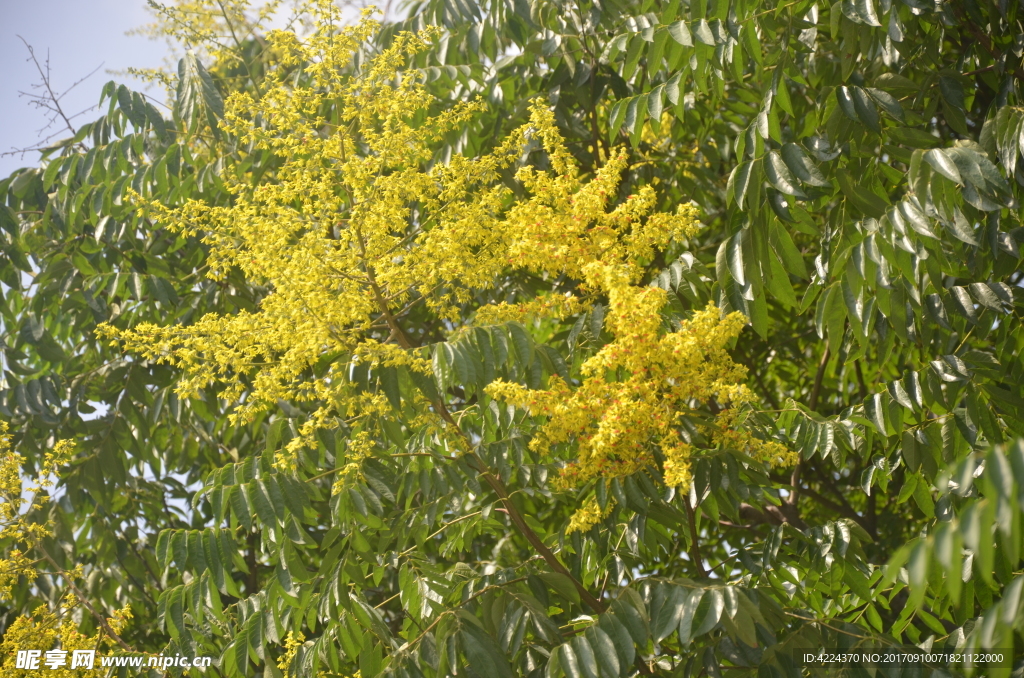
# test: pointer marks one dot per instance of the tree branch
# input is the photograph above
(694, 540)
(812, 402)
(981, 37)
(480, 467)
(100, 619)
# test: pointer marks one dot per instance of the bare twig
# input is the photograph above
(50, 101)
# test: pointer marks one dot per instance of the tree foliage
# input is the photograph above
(431, 369)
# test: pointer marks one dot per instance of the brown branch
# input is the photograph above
(694, 542)
(812, 402)
(772, 515)
(860, 379)
(252, 582)
(976, 71)
(515, 515)
(480, 467)
(100, 619)
(726, 523)
(981, 37)
(794, 483)
(843, 509)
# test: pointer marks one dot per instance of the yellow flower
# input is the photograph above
(44, 629)
(357, 223)
(588, 515)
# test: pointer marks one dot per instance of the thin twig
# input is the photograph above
(51, 100)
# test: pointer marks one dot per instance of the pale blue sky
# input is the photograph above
(80, 35)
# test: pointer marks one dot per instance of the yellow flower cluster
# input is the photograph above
(13, 524)
(45, 630)
(546, 306)
(359, 447)
(216, 25)
(588, 515)
(42, 630)
(635, 389)
(357, 225)
(292, 642)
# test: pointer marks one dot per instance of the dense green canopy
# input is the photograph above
(857, 168)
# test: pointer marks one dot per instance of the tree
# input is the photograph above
(467, 386)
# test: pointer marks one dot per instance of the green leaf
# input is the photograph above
(709, 611)
(620, 637)
(388, 376)
(780, 206)
(753, 43)
(961, 229)
(865, 108)
(702, 31)
(655, 102)
(866, 12)
(735, 257)
(874, 408)
(740, 180)
(835, 317)
(680, 33)
(923, 497)
(686, 617)
(522, 344)
(639, 115)
(863, 199)
(618, 115)
(844, 96)
(943, 164)
(605, 653)
(666, 619)
(857, 582)
(484, 655)
(948, 552)
(917, 220)
(240, 506)
(899, 394)
(631, 619)
(897, 84)
(917, 568)
(888, 102)
(562, 585)
(802, 167)
(597, 320)
(196, 555)
(585, 657)
(778, 174)
(913, 138)
(197, 95)
(963, 303)
(778, 282)
(672, 88)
